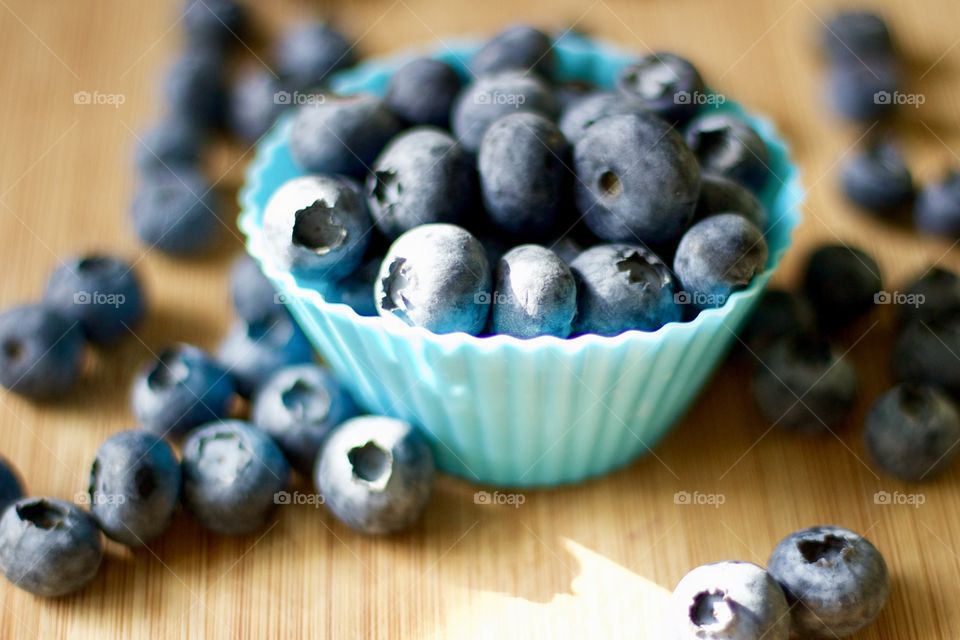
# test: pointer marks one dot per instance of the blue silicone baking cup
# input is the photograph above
(498, 409)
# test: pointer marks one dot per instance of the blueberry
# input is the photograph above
(318, 226)
(435, 276)
(231, 473)
(309, 52)
(422, 92)
(856, 34)
(836, 581)
(925, 352)
(134, 487)
(254, 102)
(253, 351)
(718, 256)
(214, 21)
(779, 314)
(534, 295)
(173, 144)
(622, 287)
(863, 90)
(176, 213)
(182, 388)
(726, 145)
(49, 547)
(375, 474)
(297, 407)
(636, 180)
(517, 48)
(912, 432)
(664, 83)
(937, 209)
(729, 601)
(582, 114)
(11, 489)
(356, 290)
(494, 96)
(722, 195)
(523, 173)
(842, 283)
(422, 176)
(877, 178)
(936, 293)
(802, 384)
(195, 89)
(251, 292)
(100, 293)
(41, 352)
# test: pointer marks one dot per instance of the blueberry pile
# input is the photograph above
(865, 86)
(821, 582)
(501, 201)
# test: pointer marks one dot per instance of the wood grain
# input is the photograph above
(596, 560)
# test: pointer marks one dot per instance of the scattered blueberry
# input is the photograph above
(49, 547)
(494, 96)
(134, 487)
(524, 175)
(936, 293)
(665, 84)
(298, 406)
(356, 290)
(254, 102)
(863, 90)
(925, 352)
(214, 21)
(318, 226)
(534, 294)
(937, 209)
(636, 180)
(835, 581)
(726, 145)
(718, 256)
(436, 276)
(176, 212)
(877, 178)
(779, 314)
(581, 114)
(801, 384)
(11, 489)
(231, 473)
(375, 474)
(194, 87)
(309, 52)
(516, 48)
(251, 292)
(171, 145)
(423, 91)
(722, 195)
(622, 287)
(41, 352)
(729, 601)
(100, 293)
(842, 284)
(341, 134)
(252, 351)
(856, 34)
(184, 387)
(422, 176)
(913, 431)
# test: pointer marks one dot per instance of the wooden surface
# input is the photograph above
(596, 560)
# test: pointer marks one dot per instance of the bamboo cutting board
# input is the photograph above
(596, 560)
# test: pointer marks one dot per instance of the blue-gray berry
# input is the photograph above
(535, 294)
(41, 352)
